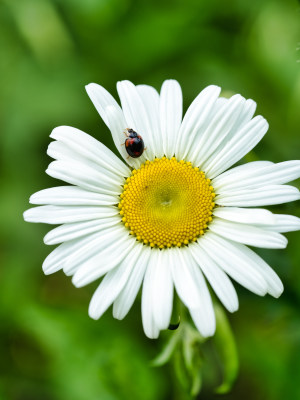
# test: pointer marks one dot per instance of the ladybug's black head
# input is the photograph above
(132, 133)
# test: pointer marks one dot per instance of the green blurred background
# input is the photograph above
(50, 49)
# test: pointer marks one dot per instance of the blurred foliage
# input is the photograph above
(50, 49)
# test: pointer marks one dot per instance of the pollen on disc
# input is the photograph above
(167, 203)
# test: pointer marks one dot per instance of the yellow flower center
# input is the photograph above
(167, 203)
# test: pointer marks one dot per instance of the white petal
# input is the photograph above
(76, 230)
(117, 125)
(112, 284)
(238, 268)
(113, 116)
(170, 115)
(194, 120)
(61, 152)
(72, 196)
(219, 103)
(67, 214)
(86, 146)
(204, 318)
(218, 129)
(150, 328)
(101, 99)
(254, 262)
(273, 194)
(184, 278)
(150, 99)
(162, 289)
(245, 216)
(244, 117)
(284, 223)
(54, 261)
(246, 114)
(192, 289)
(93, 246)
(57, 258)
(275, 286)
(103, 261)
(125, 300)
(133, 107)
(87, 178)
(273, 174)
(217, 278)
(245, 170)
(237, 147)
(135, 114)
(248, 234)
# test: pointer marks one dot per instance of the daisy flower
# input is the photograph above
(173, 215)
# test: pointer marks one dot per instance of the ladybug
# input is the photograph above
(134, 143)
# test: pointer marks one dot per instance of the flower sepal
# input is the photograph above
(195, 358)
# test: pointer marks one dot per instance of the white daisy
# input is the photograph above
(173, 216)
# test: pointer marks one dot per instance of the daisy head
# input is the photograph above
(171, 214)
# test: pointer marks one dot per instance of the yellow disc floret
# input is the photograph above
(167, 203)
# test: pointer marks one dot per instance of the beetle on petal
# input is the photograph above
(134, 143)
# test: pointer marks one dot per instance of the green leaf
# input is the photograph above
(192, 356)
(164, 356)
(226, 348)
